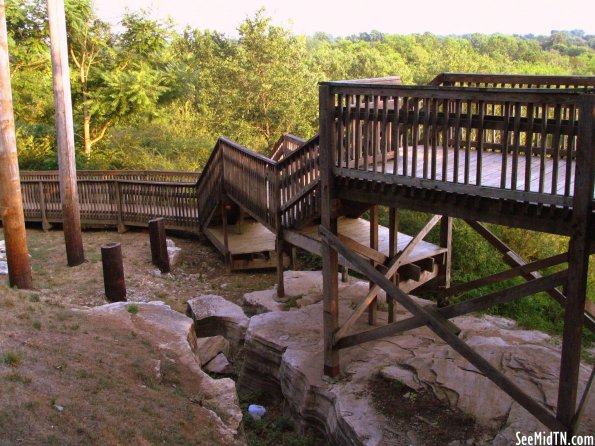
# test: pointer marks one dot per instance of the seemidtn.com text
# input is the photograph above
(554, 439)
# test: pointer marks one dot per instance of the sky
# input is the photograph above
(347, 17)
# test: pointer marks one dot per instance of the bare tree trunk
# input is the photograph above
(65, 134)
(86, 125)
(11, 205)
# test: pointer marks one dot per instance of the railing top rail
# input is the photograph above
(247, 151)
(113, 172)
(296, 153)
(535, 95)
(391, 80)
(528, 79)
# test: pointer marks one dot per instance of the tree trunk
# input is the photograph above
(65, 134)
(11, 205)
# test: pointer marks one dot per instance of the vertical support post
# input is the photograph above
(11, 204)
(45, 224)
(119, 207)
(578, 266)
(226, 254)
(159, 255)
(276, 191)
(113, 272)
(330, 259)
(393, 233)
(373, 307)
(65, 134)
(443, 278)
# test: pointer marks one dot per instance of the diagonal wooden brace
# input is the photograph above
(437, 326)
(393, 266)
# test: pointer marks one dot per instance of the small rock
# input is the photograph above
(208, 348)
(59, 408)
(170, 243)
(220, 365)
(157, 273)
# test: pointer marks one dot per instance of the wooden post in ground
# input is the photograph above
(330, 259)
(11, 204)
(159, 255)
(372, 309)
(443, 278)
(393, 232)
(113, 272)
(65, 134)
(578, 266)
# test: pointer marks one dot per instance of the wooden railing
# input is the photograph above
(285, 145)
(503, 143)
(135, 175)
(513, 81)
(299, 175)
(113, 201)
(249, 179)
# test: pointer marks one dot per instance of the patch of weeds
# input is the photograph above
(36, 324)
(161, 295)
(292, 302)
(83, 374)
(74, 327)
(169, 372)
(34, 297)
(12, 359)
(132, 309)
(31, 405)
(17, 378)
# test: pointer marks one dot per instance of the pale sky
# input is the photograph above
(346, 17)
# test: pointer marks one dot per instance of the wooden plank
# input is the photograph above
(443, 331)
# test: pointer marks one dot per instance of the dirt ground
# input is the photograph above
(67, 379)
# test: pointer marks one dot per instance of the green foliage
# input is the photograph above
(132, 309)
(12, 359)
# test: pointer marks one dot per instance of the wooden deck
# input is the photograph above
(358, 229)
(249, 245)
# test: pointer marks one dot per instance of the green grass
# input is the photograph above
(12, 359)
(132, 309)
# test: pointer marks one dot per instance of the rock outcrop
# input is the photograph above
(171, 331)
(283, 351)
(213, 315)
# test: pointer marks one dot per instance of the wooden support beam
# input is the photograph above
(508, 274)
(11, 204)
(373, 307)
(393, 233)
(65, 134)
(224, 225)
(394, 265)
(513, 259)
(578, 268)
(445, 242)
(330, 259)
(444, 332)
(576, 421)
(459, 309)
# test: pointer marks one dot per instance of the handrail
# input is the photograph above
(513, 80)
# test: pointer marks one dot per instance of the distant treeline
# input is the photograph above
(148, 96)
